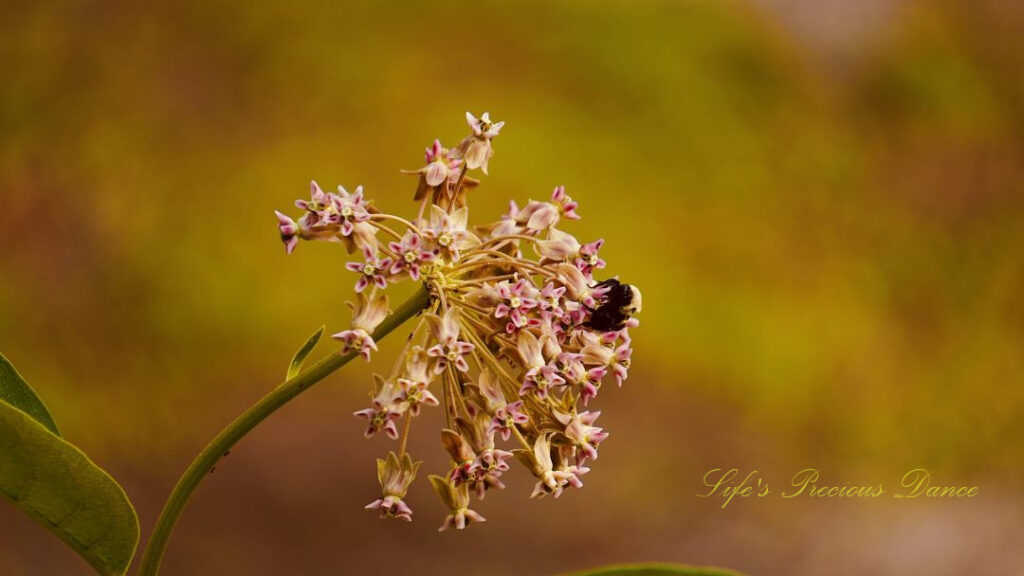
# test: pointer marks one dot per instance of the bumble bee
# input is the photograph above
(615, 308)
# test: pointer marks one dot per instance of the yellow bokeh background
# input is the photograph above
(823, 205)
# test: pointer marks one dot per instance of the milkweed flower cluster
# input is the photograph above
(515, 343)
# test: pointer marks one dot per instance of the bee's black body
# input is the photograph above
(614, 308)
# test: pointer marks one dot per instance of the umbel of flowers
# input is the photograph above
(515, 344)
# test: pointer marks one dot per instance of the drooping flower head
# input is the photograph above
(516, 340)
(367, 314)
(395, 475)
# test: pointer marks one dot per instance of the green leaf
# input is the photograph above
(300, 356)
(56, 484)
(654, 570)
(16, 392)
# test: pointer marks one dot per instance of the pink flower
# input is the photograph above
(371, 272)
(580, 429)
(577, 285)
(515, 302)
(414, 394)
(591, 384)
(570, 366)
(409, 255)
(566, 463)
(441, 170)
(550, 301)
(356, 340)
(395, 475)
(449, 349)
(350, 209)
(489, 464)
(382, 413)
(329, 214)
(483, 127)
(550, 481)
(457, 501)
(367, 314)
(540, 380)
(566, 205)
(413, 386)
(476, 148)
(587, 259)
(462, 456)
(539, 376)
(391, 507)
(506, 417)
(575, 472)
(448, 232)
(322, 209)
(617, 359)
(574, 316)
(289, 230)
(325, 220)
(440, 166)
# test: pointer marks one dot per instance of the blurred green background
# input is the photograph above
(823, 203)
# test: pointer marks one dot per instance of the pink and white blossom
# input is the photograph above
(476, 148)
(373, 271)
(566, 205)
(367, 314)
(410, 254)
(383, 411)
(449, 349)
(516, 338)
(587, 259)
(395, 475)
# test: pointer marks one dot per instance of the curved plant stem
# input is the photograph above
(215, 450)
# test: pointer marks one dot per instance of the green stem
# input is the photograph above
(215, 450)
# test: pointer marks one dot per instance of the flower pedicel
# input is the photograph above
(517, 336)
